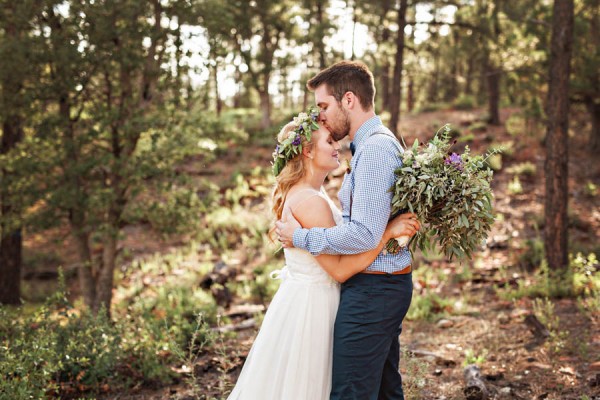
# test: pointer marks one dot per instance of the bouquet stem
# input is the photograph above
(393, 246)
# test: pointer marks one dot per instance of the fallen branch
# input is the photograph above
(245, 324)
(475, 388)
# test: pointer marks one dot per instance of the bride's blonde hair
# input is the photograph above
(291, 174)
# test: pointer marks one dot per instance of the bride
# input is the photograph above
(291, 357)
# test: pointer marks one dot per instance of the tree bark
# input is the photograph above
(385, 86)
(557, 143)
(396, 92)
(410, 98)
(104, 285)
(469, 77)
(12, 133)
(594, 110)
(493, 87)
(265, 106)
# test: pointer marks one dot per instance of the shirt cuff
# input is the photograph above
(299, 238)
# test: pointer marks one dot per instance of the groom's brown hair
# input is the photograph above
(347, 76)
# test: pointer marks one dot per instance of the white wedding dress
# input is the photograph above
(292, 354)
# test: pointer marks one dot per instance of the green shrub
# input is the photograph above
(515, 125)
(533, 255)
(429, 307)
(514, 186)
(464, 102)
(522, 169)
(433, 106)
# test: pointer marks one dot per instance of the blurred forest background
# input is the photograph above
(135, 182)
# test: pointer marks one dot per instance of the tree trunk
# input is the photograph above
(469, 77)
(557, 143)
(432, 95)
(410, 98)
(85, 272)
(320, 44)
(265, 106)
(10, 267)
(396, 92)
(11, 240)
(493, 86)
(218, 103)
(104, 285)
(385, 86)
(594, 110)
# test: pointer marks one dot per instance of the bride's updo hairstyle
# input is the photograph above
(288, 167)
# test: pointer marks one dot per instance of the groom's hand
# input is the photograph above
(285, 227)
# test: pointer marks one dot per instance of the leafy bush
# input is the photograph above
(522, 169)
(56, 350)
(464, 102)
(429, 307)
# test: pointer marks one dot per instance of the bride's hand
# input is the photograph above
(403, 225)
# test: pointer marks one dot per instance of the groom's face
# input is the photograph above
(333, 115)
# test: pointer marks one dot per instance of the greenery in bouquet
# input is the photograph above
(449, 192)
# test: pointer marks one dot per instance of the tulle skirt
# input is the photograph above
(292, 354)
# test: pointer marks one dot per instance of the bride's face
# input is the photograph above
(325, 149)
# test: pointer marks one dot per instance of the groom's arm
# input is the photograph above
(370, 209)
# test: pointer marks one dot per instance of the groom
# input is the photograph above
(373, 303)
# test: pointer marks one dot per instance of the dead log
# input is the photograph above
(246, 324)
(475, 387)
(536, 327)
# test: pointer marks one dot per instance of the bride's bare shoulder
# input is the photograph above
(310, 208)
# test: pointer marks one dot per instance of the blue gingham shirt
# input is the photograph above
(368, 183)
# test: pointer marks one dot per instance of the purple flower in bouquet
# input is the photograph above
(455, 160)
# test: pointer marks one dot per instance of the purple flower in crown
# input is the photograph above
(455, 160)
(277, 149)
(297, 140)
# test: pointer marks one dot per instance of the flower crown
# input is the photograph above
(290, 143)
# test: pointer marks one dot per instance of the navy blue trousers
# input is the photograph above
(366, 348)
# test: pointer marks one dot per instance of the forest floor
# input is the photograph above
(472, 311)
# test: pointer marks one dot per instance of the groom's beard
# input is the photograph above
(341, 128)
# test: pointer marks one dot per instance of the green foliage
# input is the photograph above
(56, 346)
(429, 307)
(544, 310)
(522, 169)
(473, 358)
(432, 106)
(590, 189)
(514, 186)
(464, 102)
(450, 194)
(533, 255)
(581, 280)
(515, 125)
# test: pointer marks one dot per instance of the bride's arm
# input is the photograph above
(316, 212)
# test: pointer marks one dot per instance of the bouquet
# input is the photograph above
(450, 194)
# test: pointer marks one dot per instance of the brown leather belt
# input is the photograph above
(406, 270)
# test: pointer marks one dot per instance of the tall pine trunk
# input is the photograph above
(594, 110)
(493, 87)
(11, 239)
(557, 143)
(396, 92)
(11, 85)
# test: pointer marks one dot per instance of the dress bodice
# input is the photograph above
(302, 265)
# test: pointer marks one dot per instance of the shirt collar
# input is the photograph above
(366, 129)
